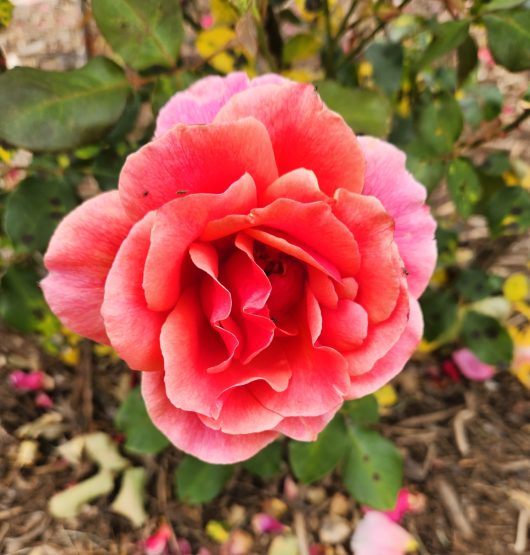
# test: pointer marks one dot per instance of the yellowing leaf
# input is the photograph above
(212, 45)
(223, 12)
(303, 75)
(70, 356)
(386, 396)
(522, 373)
(515, 288)
(217, 532)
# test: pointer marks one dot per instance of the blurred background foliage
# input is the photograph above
(428, 76)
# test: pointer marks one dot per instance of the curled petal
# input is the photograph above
(189, 385)
(380, 272)
(188, 433)
(393, 362)
(177, 225)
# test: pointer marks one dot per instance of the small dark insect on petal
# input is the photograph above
(145, 193)
(182, 192)
(405, 271)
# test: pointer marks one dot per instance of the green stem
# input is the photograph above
(329, 49)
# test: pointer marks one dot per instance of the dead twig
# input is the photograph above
(454, 509)
(301, 533)
(459, 426)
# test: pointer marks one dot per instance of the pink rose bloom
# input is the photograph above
(259, 268)
(376, 534)
(472, 367)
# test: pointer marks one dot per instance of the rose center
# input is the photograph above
(286, 276)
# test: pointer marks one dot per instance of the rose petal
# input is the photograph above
(395, 359)
(304, 133)
(78, 259)
(472, 367)
(133, 329)
(305, 428)
(196, 159)
(200, 102)
(380, 272)
(189, 385)
(188, 433)
(404, 199)
(178, 223)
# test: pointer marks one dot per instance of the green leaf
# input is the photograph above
(496, 5)
(141, 435)
(53, 110)
(364, 411)
(509, 38)
(300, 47)
(387, 61)
(144, 33)
(428, 172)
(464, 185)
(22, 305)
(475, 284)
(364, 111)
(267, 463)
(487, 338)
(199, 482)
(439, 313)
(373, 470)
(440, 124)
(311, 461)
(446, 37)
(34, 209)
(508, 208)
(467, 56)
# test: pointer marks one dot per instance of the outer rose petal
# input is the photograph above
(79, 258)
(393, 362)
(196, 159)
(304, 133)
(305, 428)
(187, 432)
(201, 102)
(133, 329)
(404, 199)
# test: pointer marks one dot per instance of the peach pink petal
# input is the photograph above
(78, 259)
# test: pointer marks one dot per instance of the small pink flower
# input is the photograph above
(376, 534)
(157, 543)
(26, 381)
(472, 367)
(484, 55)
(262, 523)
(43, 401)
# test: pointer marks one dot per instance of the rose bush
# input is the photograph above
(259, 268)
